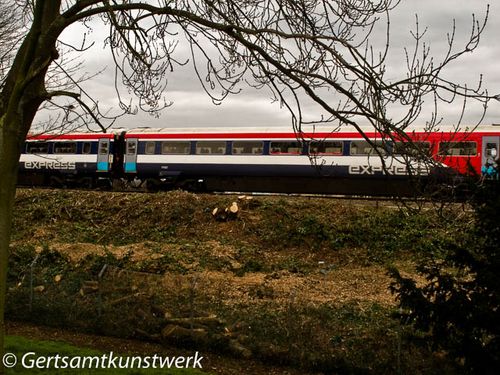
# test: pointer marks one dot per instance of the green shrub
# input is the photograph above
(459, 306)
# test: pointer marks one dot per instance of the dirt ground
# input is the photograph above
(355, 285)
(328, 283)
(212, 363)
(278, 253)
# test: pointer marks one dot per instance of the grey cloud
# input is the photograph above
(192, 107)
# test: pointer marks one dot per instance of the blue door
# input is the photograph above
(489, 159)
(130, 161)
(103, 156)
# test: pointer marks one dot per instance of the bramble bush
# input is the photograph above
(459, 306)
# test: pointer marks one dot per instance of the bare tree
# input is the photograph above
(315, 49)
(10, 27)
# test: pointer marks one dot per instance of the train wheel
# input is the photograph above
(56, 182)
(119, 184)
(152, 185)
(86, 182)
(194, 185)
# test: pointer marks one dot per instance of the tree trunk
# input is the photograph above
(9, 159)
(22, 95)
(13, 130)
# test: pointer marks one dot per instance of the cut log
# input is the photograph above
(91, 284)
(247, 201)
(172, 332)
(147, 335)
(200, 322)
(89, 287)
(239, 350)
(232, 211)
(123, 299)
(234, 208)
(227, 213)
(219, 214)
(141, 314)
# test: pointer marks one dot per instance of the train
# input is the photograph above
(268, 160)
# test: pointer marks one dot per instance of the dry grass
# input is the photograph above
(304, 279)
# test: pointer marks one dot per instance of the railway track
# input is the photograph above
(375, 200)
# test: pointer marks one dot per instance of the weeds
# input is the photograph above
(180, 240)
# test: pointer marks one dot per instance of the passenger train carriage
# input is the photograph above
(260, 160)
(79, 158)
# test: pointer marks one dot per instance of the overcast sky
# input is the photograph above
(192, 107)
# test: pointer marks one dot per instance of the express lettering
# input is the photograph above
(393, 170)
(50, 165)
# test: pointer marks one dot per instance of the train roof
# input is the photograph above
(309, 130)
(493, 128)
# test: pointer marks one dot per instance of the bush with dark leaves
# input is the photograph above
(458, 308)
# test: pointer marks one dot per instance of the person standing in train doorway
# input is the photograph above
(490, 168)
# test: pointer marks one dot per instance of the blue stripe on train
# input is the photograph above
(130, 167)
(102, 166)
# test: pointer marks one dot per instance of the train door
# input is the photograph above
(130, 161)
(103, 155)
(118, 154)
(491, 148)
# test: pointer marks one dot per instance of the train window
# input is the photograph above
(150, 148)
(326, 148)
(131, 147)
(458, 148)
(175, 148)
(412, 148)
(365, 148)
(210, 147)
(294, 148)
(65, 148)
(103, 148)
(86, 148)
(491, 150)
(247, 148)
(37, 148)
